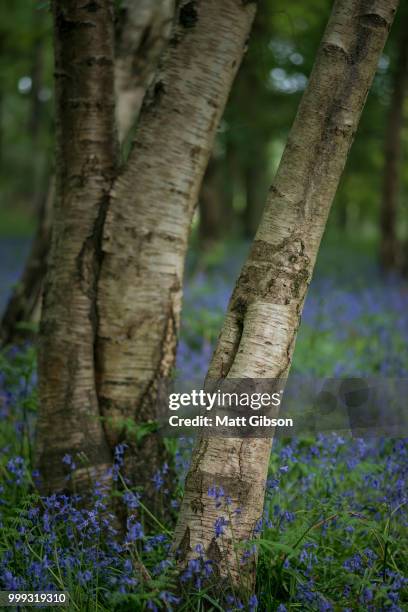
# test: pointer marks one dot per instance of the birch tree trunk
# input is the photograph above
(390, 248)
(69, 419)
(147, 225)
(259, 332)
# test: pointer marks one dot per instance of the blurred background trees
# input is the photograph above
(26, 113)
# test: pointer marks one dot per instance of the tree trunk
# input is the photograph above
(259, 332)
(390, 248)
(69, 419)
(147, 226)
(141, 37)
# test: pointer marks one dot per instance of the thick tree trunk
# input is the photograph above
(259, 332)
(390, 248)
(143, 31)
(69, 419)
(148, 223)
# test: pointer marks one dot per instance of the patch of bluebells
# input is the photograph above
(58, 537)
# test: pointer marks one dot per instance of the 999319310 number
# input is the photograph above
(31, 598)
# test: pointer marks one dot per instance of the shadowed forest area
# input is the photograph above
(167, 173)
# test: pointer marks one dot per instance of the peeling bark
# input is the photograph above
(259, 332)
(69, 419)
(147, 225)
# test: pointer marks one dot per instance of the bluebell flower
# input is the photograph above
(84, 577)
(216, 493)
(16, 466)
(354, 563)
(158, 480)
(366, 595)
(134, 531)
(168, 598)
(132, 500)
(219, 526)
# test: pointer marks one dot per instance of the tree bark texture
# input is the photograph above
(69, 419)
(259, 332)
(390, 248)
(148, 223)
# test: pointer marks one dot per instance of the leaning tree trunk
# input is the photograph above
(142, 33)
(390, 251)
(259, 332)
(69, 419)
(147, 226)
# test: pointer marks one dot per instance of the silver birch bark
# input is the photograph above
(259, 332)
(69, 420)
(148, 222)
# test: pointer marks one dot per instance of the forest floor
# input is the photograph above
(334, 531)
